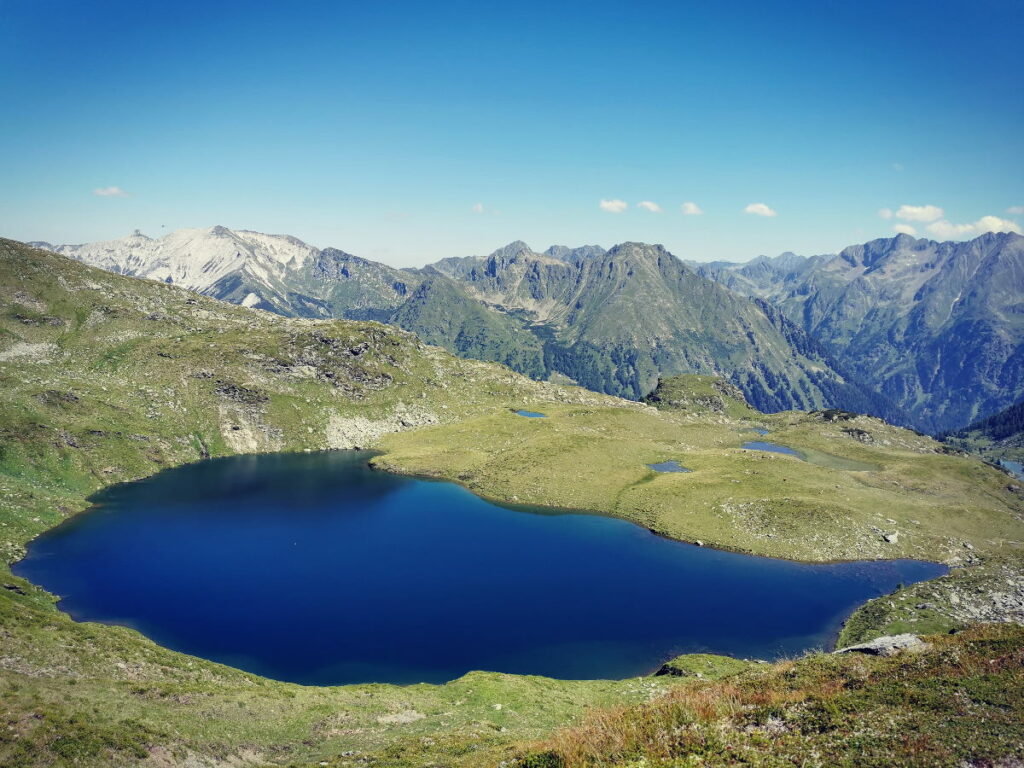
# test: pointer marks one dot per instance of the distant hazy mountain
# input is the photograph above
(758, 276)
(274, 272)
(613, 321)
(938, 326)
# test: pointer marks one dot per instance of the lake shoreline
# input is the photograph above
(723, 547)
(334, 471)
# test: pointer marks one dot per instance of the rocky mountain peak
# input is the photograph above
(931, 322)
(575, 255)
(511, 251)
(646, 253)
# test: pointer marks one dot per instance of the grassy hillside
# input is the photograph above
(958, 702)
(439, 312)
(106, 378)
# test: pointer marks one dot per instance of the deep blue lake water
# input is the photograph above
(316, 569)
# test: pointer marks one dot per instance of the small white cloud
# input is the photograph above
(478, 208)
(897, 166)
(885, 213)
(996, 224)
(948, 231)
(1016, 210)
(760, 209)
(648, 205)
(109, 192)
(904, 229)
(613, 206)
(691, 209)
(920, 212)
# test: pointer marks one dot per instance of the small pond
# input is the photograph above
(820, 458)
(668, 466)
(531, 414)
(316, 569)
(1015, 467)
(760, 445)
(759, 430)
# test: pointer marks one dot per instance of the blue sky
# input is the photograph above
(405, 132)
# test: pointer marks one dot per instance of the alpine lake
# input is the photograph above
(317, 569)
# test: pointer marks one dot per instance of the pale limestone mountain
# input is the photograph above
(279, 273)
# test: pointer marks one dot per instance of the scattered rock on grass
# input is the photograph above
(889, 645)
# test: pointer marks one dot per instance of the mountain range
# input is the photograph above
(618, 320)
(278, 273)
(918, 332)
(938, 327)
(614, 321)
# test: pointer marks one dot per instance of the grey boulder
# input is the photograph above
(887, 646)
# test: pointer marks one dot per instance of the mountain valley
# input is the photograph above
(108, 379)
(937, 327)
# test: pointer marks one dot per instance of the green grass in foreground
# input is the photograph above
(88, 694)
(959, 703)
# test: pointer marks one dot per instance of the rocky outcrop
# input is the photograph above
(697, 395)
(361, 432)
(1000, 598)
(889, 645)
